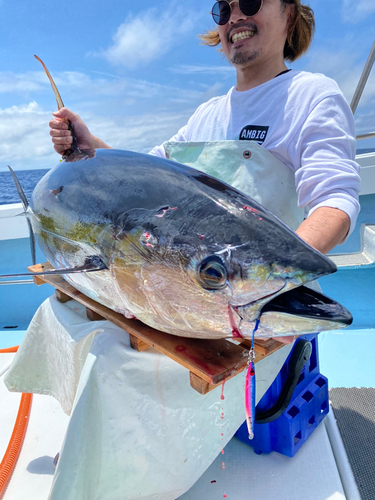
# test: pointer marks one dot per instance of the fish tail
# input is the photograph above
(60, 105)
(27, 210)
(59, 101)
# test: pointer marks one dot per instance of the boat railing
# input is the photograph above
(369, 135)
(363, 80)
(361, 87)
(17, 282)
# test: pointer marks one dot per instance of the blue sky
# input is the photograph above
(136, 72)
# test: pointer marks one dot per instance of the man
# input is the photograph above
(303, 119)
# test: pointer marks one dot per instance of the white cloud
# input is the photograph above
(185, 69)
(353, 12)
(126, 113)
(32, 107)
(26, 142)
(146, 37)
(24, 137)
(21, 82)
(138, 133)
(77, 86)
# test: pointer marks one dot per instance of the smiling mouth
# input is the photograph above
(243, 35)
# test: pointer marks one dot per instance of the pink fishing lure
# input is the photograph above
(250, 388)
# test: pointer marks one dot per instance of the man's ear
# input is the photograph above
(291, 13)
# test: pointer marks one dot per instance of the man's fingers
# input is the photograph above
(67, 141)
(59, 133)
(59, 149)
(66, 113)
(61, 136)
(58, 124)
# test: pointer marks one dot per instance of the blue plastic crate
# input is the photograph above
(307, 408)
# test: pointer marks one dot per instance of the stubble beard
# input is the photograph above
(242, 57)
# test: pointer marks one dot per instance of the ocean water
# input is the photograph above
(28, 180)
(364, 151)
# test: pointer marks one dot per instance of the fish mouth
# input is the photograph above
(251, 311)
(310, 304)
(258, 304)
(296, 312)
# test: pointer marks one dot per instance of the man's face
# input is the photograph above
(257, 39)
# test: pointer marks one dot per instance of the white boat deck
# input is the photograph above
(316, 472)
(312, 474)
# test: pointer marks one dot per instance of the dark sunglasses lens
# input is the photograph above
(221, 12)
(250, 7)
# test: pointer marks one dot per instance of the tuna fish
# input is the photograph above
(181, 251)
(178, 249)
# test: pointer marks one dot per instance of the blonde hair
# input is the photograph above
(300, 32)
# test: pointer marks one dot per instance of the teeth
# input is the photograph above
(242, 36)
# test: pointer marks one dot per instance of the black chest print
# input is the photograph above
(257, 133)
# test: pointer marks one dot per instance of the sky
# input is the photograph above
(136, 71)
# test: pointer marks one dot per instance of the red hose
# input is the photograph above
(9, 461)
(9, 349)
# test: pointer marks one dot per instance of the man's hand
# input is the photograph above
(62, 136)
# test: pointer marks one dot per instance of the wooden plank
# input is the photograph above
(138, 345)
(38, 280)
(264, 347)
(62, 297)
(267, 347)
(212, 361)
(204, 387)
(38, 268)
(200, 385)
(92, 315)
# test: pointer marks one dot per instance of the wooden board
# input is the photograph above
(264, 347)
(210, 362)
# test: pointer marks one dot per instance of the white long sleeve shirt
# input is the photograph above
(304, 120)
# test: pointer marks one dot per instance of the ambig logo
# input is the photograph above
(255, 133)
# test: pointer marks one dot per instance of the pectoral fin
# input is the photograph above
(91, 264)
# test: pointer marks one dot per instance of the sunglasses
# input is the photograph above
(222, 10)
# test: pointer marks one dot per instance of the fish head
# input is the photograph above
(207, 270)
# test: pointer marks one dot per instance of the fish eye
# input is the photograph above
(212, 273)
